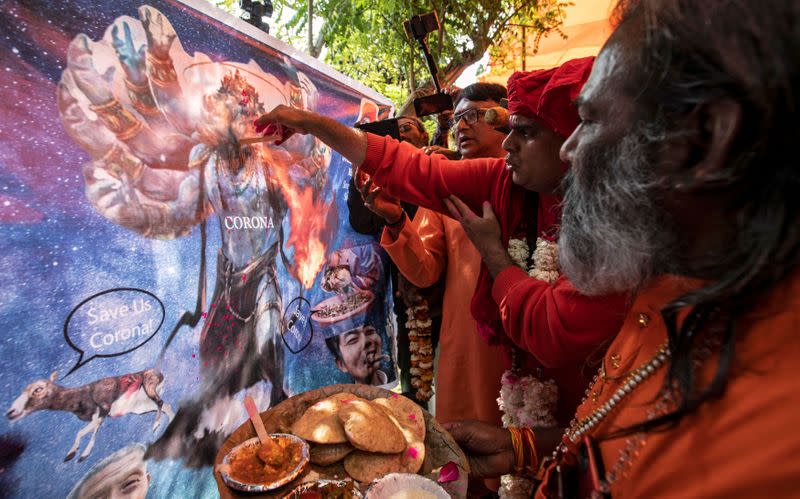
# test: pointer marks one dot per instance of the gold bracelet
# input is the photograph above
(141, 98)
(118, 119)
(120, 161)
(161, 71)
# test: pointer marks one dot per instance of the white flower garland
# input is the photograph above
(527, 401)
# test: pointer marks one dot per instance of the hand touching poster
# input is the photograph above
(147, 167)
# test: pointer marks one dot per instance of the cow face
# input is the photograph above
(33, 398)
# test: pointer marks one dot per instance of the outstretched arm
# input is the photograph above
(351, 143)
(404, 171)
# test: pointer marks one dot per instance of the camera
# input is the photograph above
(255, 12)
(418, 28)
(433, 104)
(383, 127)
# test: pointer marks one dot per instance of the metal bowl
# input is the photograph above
(264, 487)
(398, 482)
(316, 484)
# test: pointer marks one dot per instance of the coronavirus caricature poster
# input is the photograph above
(154, 269)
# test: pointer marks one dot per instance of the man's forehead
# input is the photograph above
(521, 120)
(465, 104)
(115, 472)
(604, 76)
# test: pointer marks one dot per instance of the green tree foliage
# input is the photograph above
(227, 5)
(365, 39)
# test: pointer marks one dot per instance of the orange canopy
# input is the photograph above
(586, 26)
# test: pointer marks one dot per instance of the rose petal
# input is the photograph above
(260, 127)
(448, 473)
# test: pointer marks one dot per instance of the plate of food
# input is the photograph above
(360, 433)
(342, 312)
(252, 467)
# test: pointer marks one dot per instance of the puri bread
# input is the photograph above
(320, 423)
(367, 466)
(369, 428)
(327, 454)
(407, 413)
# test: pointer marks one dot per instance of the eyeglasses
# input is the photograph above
(406, 127)
(470, 116)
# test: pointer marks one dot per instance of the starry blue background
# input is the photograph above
(56, 250)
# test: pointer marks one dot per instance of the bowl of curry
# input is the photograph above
(247, 468)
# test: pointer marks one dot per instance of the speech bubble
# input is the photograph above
(297, 328)
(113, 323)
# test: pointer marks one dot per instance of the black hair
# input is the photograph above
(333, 345)
(333, 342)
(483, 91)
(417, 122)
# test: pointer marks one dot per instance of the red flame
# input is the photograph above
(308, 218)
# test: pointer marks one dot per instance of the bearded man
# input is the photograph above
(683, 188)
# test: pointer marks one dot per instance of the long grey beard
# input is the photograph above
(614, 236)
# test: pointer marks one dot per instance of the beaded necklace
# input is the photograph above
(578, 429)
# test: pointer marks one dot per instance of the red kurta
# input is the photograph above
(553, 322)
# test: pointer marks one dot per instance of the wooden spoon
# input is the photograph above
(266, 441)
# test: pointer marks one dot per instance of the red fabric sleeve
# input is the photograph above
(554, 322)
(408, 174)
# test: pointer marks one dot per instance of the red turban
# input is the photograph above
(547, 94)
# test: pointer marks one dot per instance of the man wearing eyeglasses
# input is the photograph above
(412, 131)
(432, 245)
(473, 137)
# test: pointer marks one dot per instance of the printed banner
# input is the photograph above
(156, 265)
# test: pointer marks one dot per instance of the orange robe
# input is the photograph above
(469, 370)
(745, 444)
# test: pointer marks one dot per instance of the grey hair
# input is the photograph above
(614, 236)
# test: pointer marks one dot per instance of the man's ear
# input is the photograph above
(714, 126)
(341, 366)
